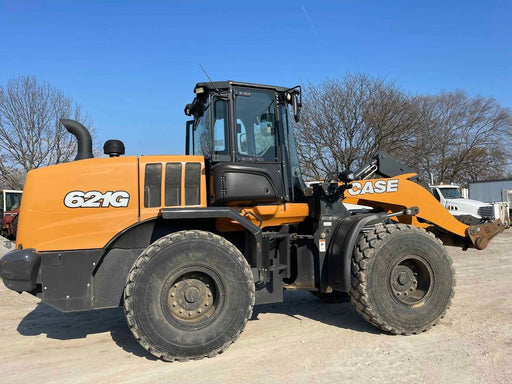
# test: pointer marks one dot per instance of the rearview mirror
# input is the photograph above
(296, 107)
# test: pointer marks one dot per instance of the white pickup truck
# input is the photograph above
(470, 211)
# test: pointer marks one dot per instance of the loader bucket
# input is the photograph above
(480, 235)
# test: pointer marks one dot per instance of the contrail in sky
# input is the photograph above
(309, 19)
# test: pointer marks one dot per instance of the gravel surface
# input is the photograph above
(299, 341)
(5, 245)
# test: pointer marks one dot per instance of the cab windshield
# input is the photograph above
(207, 138)
(12, 201)
(451, 193)
(296, 180)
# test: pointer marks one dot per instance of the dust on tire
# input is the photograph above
(172, 287)
(402, 279)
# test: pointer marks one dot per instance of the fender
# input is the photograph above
(342, 245)
(216, 212)
(123, 250)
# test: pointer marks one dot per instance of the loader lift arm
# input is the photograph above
(395, 193)
(384, 165)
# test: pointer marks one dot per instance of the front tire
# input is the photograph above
(189, 296)
(402, 279)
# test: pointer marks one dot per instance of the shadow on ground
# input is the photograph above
(66, 326)
(302, 304)
(76, 325)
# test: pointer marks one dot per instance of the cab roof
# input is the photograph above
(218, 85)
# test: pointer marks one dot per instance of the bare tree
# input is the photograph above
(452, 136)
(346, 122)
(31, 135)
(462, 138)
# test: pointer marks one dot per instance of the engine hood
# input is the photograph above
(464, 206)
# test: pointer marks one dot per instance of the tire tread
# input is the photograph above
(362, 256)
(146, 256)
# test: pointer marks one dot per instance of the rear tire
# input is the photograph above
(189, 296)
(402, 279)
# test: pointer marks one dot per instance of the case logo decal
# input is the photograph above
(379, 186)
(96, 199)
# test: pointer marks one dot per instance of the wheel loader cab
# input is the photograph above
(245, 134)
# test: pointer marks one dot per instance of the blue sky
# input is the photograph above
(132, 65)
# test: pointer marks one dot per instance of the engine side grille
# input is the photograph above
(178, 182)
(172, 184)
(192, 184)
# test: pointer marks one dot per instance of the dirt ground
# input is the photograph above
(299, 341)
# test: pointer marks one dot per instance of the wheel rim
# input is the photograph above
(411, 280)
(193, 298)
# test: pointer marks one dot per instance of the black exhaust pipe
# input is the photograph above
(83, 138)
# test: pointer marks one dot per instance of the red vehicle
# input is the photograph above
(9, 208)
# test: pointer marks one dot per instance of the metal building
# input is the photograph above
(491, 191)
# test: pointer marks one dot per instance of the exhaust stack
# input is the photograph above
(83, 138)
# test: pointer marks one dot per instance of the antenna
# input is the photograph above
(209, 78)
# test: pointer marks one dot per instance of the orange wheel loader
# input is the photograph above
(189, 244)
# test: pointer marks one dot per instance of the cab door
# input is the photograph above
(256, 176)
